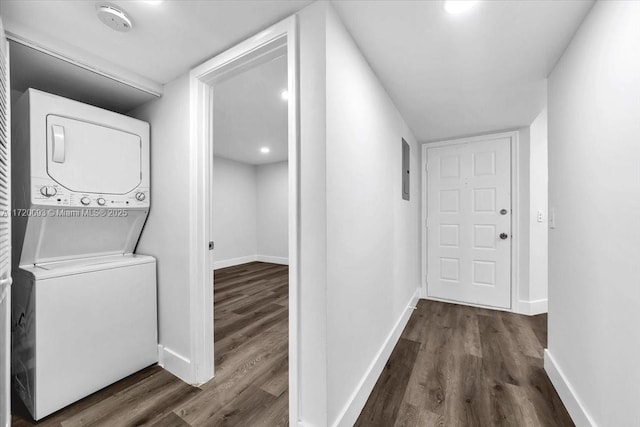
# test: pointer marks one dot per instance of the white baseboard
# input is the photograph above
(175, 363)
(531, 308)
(469, 304)
(358, 399)
(251, 258)
(234, 261)
(578, 413)
(273, 259)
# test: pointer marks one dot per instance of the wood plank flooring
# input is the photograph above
(251, 383)
(462, 366)
(453, 366)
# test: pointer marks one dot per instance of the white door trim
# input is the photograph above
(515, 218)
(282, 36)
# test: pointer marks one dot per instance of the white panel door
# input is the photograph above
(469, 222)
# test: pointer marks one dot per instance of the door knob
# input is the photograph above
(503, 211)
(503, 236)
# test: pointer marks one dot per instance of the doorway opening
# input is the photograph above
(244, 143)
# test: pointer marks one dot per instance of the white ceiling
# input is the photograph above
(167, 38)
(455, 75)
(250, 113)
(450, 75)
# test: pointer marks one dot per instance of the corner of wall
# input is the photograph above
(532, 308)
(567, 393)
(351, 411)
(312, 352)
(175, 363)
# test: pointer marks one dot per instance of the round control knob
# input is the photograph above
(140, 196)
(48, 191)
(85, 201)
(101, 201)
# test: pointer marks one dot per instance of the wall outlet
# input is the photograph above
(540, 216)
(552, 218)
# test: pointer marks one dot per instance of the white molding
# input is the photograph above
(423, 223)
(515, 217)
(175, 363)
(532, 308)
(469, 304)
(358, 399)
(273, 259)
(567, 394)
(234, 261)
(231, 262)
(281, 38)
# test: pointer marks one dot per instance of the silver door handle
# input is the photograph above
(7, 281)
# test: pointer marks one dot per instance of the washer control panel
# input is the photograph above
(49, 193)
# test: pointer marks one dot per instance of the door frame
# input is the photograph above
(515, 213)
(282, 36)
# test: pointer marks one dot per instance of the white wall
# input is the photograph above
(366, 237)
(373, 239)
(536, 295)
(250, 212)
(532, 242)
(234, 213)
(594, 187)
(312, 303)
(166, 233)
(272, 181)
(524, 249)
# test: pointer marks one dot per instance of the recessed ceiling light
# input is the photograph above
(264, 150)
(284, 94)
(458, 6)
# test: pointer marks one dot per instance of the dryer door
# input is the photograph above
(91, 158)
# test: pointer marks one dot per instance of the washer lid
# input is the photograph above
(91, 158)
(85, 265)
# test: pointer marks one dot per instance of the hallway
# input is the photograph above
(463, 366)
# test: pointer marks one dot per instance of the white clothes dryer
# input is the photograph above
(84, 305)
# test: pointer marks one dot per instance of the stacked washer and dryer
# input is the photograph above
(84, 304)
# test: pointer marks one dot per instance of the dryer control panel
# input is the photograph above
(46, 192)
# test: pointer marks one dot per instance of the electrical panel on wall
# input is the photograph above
(406, 169)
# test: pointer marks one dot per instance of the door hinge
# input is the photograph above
(211, 245)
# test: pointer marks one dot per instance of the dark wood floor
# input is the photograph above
(453, 366)
(463, 366)
(251, 383)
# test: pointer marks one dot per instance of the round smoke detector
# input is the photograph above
(114, 17)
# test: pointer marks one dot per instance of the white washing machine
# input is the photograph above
(84, 311)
